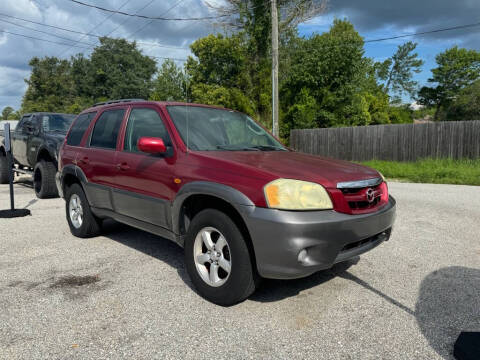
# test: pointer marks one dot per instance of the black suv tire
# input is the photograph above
(90, 225)
(241, 281)
(44, 180)
(4, 175)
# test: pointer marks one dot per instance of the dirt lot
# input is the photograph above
(126, 294)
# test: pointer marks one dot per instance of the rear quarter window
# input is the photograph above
(79, 127)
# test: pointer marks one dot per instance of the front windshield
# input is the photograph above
(208, 129)
(57, 122)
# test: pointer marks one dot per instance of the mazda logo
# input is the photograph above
(370, 195)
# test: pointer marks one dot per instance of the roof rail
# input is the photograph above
(116, 101)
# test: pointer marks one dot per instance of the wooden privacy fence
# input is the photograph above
(399, 142)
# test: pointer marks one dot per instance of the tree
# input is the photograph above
(331, 83)
(457, 68)
(50, 85)
(6, 112)
(397, 71)
(170, 84)
(465, 106)
(117, 69)
(219, 75)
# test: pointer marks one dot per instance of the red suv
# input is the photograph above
(241, 204)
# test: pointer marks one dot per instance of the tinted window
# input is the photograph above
(105, 132)
(57, 122)
(144, 122)
(21, 123)
(78, 128)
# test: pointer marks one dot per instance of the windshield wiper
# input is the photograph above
(236, 148)
(266, 148)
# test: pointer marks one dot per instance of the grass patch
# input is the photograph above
(435, 171)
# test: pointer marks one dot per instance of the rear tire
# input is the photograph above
(4, 174)
(224, 287)
(80, 218)
(44, 180)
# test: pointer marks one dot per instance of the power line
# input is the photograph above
(46, 32)
(127, 19)
(96, 26)
(145, 16)
(82, 33)
(424, 32)
(39, 39)
(81, 47)
(151, 21)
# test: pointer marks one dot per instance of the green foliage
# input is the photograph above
(7, 110)
(436, 171)
(170, 84)
(332, 83)
(116, 69)
(400, 114)
(222, 96)
(397, 72)
(456, 69)
(465, 106)
(119, 70)
(50, 86)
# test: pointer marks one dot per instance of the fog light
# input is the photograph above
(302, 256)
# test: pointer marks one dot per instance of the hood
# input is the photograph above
(291, 165)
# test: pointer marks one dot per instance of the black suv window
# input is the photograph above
(106, 129)
(21, 123)
(144, 122)
(79, 127)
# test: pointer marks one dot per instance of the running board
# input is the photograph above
(21, 171)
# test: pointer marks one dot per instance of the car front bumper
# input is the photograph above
(324, 238)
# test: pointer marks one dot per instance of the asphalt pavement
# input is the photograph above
(126, 294)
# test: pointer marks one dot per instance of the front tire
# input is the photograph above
(217, 259)
(80, 218)
(4, 174)
(44, 180)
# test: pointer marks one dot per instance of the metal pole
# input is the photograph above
(274, 68)
(10, 165)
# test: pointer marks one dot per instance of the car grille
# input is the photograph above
(360, 200)
(357, 198)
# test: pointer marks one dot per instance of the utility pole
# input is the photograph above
(274, 68)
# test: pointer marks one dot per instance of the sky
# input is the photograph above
(371, 18)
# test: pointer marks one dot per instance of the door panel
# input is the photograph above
(99, 168)
(19, 142)
(144, 182)
(98, 160)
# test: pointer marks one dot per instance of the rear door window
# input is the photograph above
(107, 127)
(79, 127)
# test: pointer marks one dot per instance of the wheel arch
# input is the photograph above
(45, 155)
(72, 174)
(197, 196)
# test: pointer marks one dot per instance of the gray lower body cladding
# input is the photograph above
(328, 237)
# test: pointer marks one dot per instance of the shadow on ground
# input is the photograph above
(448, 300)
(149, 244)
(448, 303)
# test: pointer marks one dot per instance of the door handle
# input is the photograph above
(123, 166)
(84, 160)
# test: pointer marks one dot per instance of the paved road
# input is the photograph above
(126, 294)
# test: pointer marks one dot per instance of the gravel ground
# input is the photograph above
(126, 294)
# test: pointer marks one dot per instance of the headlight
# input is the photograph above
(291, 194)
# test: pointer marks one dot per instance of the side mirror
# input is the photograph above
(151, 145)
(28, 127)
